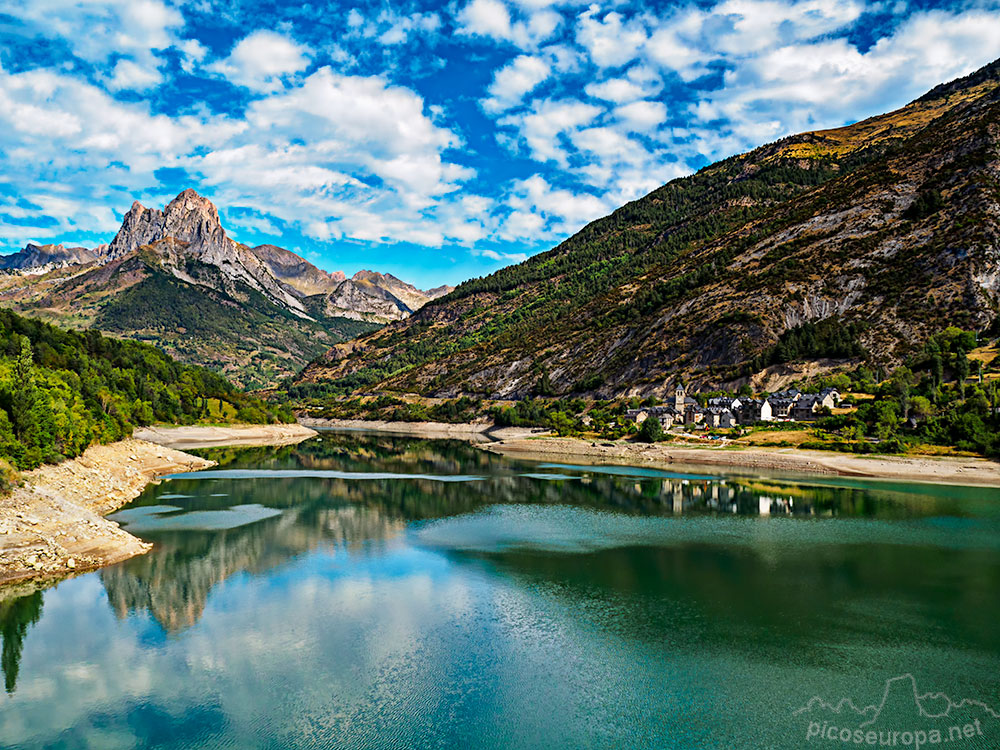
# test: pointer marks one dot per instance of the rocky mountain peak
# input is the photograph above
(189, 218)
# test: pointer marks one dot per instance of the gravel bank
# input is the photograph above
(474, 431)
(54, 523)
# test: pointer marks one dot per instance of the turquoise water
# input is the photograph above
(365, 592)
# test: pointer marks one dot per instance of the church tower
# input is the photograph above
(679, 397)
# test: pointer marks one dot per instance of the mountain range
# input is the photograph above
(174, 277)
(807, 254)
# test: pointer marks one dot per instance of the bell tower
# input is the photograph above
(679, 397)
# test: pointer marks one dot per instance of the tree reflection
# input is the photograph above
(17, 615)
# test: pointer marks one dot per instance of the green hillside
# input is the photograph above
(61, 391)
(250, 340)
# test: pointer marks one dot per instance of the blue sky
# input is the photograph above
(437, 141)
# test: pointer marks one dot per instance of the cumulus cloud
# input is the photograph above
(262, 61)
(611, 40)
(401, 27)
(339, 156)
(539, 210)
(493, 19)
(513, 81)
(128, 74)
(600, 103)
(129, 32)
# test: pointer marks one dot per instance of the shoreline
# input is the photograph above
(539, 445)
(475, 432)
(974, 472)
(53, 525)
(188, 437)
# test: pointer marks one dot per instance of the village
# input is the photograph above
(725, 412)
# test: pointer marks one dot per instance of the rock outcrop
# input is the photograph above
(303, 277)
(174, 277)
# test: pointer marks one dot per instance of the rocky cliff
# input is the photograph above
(874, 235)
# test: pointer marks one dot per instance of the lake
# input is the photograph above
(365, 591)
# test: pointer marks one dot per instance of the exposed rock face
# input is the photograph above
(38, 259)
(369, 295)
(174, 277)
(303, 277)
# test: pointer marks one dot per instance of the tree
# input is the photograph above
(24, 393)
(651, 430)
(920, 408)
(887, 421)
(901, 383)
(544, 386)
(961, 370)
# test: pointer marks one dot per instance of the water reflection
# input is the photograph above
(539, 605)
(212, 525)
(17, 614)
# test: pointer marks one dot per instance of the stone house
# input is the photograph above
(716, 416)
(807, 408)
(756, 410)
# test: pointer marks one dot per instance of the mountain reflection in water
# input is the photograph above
(369, 591)
(173, 582)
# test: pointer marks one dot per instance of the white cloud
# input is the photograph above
(262, 60)
(619, 90)
(543, 127)
(340, 156)
(493, 19)
(131, 76)
(755, 25)
(513, 81)
(612, 40)
(540, 211)
(824, 83)
(357, 157)
(642, 116)
(401, 27)
(193, 52)
(486, 18)
(98, 31)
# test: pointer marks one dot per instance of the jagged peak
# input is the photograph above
(189, 200)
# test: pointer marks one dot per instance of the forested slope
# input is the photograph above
(61, 391)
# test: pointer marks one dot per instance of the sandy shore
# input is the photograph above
(474, 431)
(967, 471)
(184, 437)
(54, 523)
